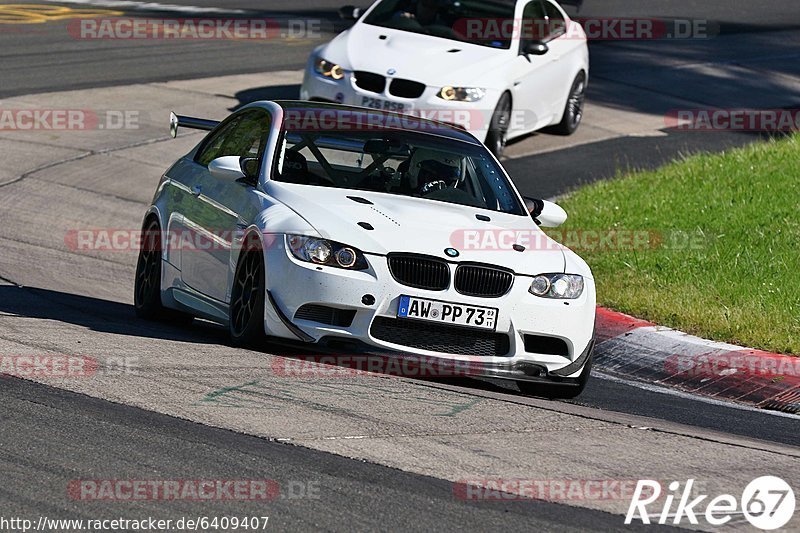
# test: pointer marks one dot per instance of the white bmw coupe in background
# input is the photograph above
(366, 231)
(499, 68)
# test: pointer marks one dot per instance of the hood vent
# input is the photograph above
(360, 200)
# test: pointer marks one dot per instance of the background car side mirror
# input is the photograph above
(535, 48)
(544, 213)
(350, 12)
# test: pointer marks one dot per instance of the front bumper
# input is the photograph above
(475, 117)
(291, 284)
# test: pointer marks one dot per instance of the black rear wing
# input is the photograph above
(176, 121)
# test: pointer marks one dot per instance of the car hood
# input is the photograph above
(431, 60)
(415, 225)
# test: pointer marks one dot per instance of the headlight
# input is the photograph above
(560, 286)
(328, 69)
(462, 94)
(325, 252)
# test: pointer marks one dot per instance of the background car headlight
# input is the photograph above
(462, 94)
(325, 252)
(560, 286)
(328, 69)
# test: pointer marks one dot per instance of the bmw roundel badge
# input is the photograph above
(451, 252)
(391, 72)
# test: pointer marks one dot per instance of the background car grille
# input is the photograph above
(406, 88)
(420, 271)
(437, 338)
(375, 83)
(484, 281)
(326, 315)
(370, 82)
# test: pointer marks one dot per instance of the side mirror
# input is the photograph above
(231, 167)
(535, 48)
(350, 12)
(544, 213)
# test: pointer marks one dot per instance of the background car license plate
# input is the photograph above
(447, 313)
(385, 105)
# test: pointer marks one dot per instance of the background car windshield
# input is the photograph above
(403, 163)
(449, 19)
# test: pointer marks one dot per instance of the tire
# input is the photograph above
(246, 315)
(147, 284)
(573, 111)
(558, 391)
(498, 129)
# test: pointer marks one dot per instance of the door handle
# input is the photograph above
(196, 190)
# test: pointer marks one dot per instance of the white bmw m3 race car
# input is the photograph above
(367, 231)
(499, 68)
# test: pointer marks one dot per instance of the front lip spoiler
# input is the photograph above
(535, 373)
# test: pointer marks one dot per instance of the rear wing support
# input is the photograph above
(176, 121)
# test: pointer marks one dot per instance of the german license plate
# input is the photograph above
(447, 313)
(385, 105)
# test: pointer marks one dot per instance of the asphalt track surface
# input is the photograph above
(50, 435)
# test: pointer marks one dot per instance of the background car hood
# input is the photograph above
(405, 224)
(430, 60)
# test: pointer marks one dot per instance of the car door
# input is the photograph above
(537, 78)
(565, 51)
(223, 206)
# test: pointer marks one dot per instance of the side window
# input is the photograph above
(212, 147)
(244, 136)
(534, 27)
(556, 25)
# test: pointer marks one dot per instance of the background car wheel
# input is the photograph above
(573, 112)
(147, 285)
(498, 129)
(558, 391)
(247, 297)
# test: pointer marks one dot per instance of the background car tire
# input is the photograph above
(498, 129)
(247, 297)
(558, 391)
(573, 111)
(147, 283)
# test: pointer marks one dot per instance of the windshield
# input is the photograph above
(450, 19)
(397, 162)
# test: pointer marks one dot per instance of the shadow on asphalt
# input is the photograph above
(99, 315)
(275, 92)
(118, 318)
